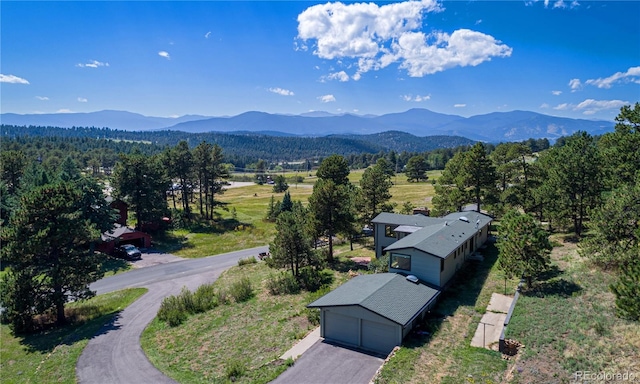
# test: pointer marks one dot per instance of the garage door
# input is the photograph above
(340, 328)
(378, 337)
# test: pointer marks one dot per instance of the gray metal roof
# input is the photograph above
(445, 237)
(389, 295)
(398, 219)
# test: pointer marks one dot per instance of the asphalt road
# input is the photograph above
(114, 355)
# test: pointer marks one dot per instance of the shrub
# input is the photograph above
(205, 298)
(248, 260)
(171, 311)
(313, 314)
(312, 279)
(285, 283)
(234, 370)
(241, 290)
(379, 265)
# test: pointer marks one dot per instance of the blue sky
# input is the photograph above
(578, 59)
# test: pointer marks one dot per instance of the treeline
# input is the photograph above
(586, 185)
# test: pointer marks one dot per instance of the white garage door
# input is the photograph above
(340, 328)
(378, 337)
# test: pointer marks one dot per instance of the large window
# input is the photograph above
(399, 261)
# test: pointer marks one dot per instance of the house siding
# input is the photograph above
(381, 240)
(424, 266)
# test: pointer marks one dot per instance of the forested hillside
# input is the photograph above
(239, 148)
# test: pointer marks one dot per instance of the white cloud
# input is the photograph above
(591, 106)
(327, 98)
(556, 93)
(575, 84)
(632, 75)
(459, 105)
(82, 100)
(92, 64)
(562, 107)
(340, 76)
(377, 36)
(164, 54)
(12, 79)
(544, 106)
(281, 91)
(417, 98)
(64, 110)
(43, 98)
(206, 35)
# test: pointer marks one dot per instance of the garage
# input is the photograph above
(373, 312)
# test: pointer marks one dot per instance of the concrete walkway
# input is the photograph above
(302, 345)
(490, 327)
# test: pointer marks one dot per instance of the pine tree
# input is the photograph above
(524, 247)
(627, 291)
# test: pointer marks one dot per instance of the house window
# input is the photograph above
(399, 261)
(388, 230)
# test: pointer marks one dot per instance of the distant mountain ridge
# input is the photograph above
(492, 127)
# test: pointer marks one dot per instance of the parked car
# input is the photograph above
(128, 252)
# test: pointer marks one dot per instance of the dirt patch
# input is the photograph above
(364, 261)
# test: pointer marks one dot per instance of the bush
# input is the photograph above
(205, 298)
(235, 370)
(171, 311)
(379, 265)
(313, 314)
(241, 290)
(248, 260)
(312, 279)
(286, 283)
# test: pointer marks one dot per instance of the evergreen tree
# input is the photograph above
(12, 166)
(613, 240)
(140, 181)
(374, 195)
(331, 203)
(416, 169)
(291, 247)
(627, 291)
(280, 184)
(287, 204)
(573, 179)
(49, 247)
(523, 245)
(621, 148)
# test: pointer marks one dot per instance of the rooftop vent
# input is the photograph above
(464, 218)
(412, 279)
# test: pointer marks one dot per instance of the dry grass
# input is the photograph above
(568, 324)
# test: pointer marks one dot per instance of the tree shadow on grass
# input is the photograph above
(46, 341)
(553, 287)
(343, 264)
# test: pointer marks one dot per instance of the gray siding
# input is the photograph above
(381, 240)
(424, 266)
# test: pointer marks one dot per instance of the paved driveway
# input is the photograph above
(331, 364)
(114, 355)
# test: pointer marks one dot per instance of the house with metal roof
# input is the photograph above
(430, 248)
(374, 312)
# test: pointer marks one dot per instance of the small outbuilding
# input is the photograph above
(374, 312)
(122, 234)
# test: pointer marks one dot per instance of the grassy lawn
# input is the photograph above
(252, 334)
(567, 324)
(445, 356)
(50, 356)
(240, 225)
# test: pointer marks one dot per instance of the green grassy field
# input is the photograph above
(246, 228)
(50, 356)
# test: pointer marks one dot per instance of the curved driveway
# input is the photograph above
(114, 355)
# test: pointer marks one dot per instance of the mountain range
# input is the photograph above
(492, 127)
